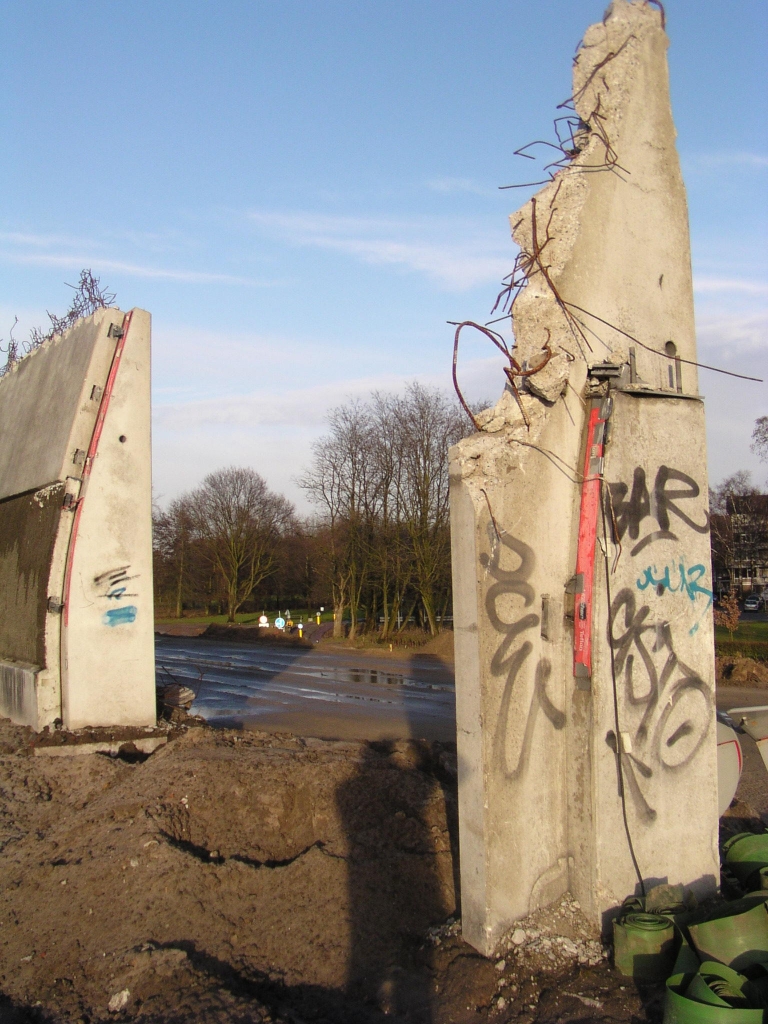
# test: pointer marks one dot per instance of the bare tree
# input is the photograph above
(429, 423)
(739, 483)
(760, 438)
(344, 481)
(238, 522)
(380, 477)
(173, 542)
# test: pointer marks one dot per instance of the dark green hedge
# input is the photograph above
(757, 649)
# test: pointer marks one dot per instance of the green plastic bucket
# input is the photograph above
(681, 1005)
(745, 855)
(736, 936)
(644, 946)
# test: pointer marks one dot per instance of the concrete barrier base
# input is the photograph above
(27, 694)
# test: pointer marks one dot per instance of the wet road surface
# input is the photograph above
(340, 695)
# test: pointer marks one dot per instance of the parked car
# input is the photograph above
(752, 603)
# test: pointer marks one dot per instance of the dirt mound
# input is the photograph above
(253, 877)
(178, 629)
(416, 642)
(254, 635)
(238, 863)
(741, 672)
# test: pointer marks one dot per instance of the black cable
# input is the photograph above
(622, 789)
(656, 352)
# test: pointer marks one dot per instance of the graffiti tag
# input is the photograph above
(674, 703)
(632, 511)
(115, 581)
(686, 581)
(511, 655)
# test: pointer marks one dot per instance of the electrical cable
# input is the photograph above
(656, 352)
(622, 787)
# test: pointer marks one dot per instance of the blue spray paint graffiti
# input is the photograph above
(686, 581)
(116, 590)
(120, 616)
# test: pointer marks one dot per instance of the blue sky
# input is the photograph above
(303, 193)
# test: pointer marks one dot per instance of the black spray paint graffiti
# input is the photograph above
(115, 581)
(510, 658)
(630, 512)
(674, 703)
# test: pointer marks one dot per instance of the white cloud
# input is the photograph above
(44, 241)
(272, 430)
(728, 284)
(271, 408)
(741, 158)
(450, 186)
(451, 253)
(99, 264)
(733, 335)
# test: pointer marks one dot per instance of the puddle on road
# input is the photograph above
(251, 688)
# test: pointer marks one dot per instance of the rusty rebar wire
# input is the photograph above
(512, 371)
(611, 55)
(589, 127)
(572, 474)
(658, 3)
(490, 513)
(606, 489)
(459, 328)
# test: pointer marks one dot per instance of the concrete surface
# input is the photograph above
(654, 607)
(108, 625)
(144, 745)
(48, 408)
(75, 503)
(608, 236)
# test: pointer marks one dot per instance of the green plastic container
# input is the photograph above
(737, 935)
(745, 855)
(682, 1007)
(644, 946)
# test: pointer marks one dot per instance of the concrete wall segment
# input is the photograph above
(607, 251)
(658, 641)
(46, 406)
(53, 408)
(511, 642)
(108, 675)
(29, 526)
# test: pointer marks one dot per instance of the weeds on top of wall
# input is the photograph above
(89, 296)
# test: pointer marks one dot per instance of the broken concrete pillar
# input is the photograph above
(76, 599)
(579, 515)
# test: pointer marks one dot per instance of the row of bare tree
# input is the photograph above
(378, 548)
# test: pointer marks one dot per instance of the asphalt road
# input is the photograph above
(335, 695)
(753, 787)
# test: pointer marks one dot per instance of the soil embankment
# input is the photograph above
(243, 876)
